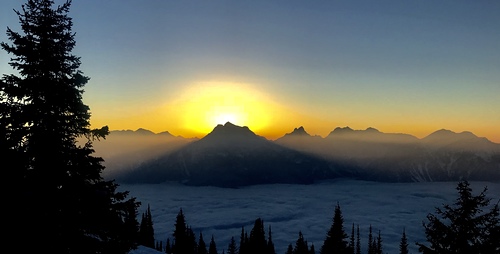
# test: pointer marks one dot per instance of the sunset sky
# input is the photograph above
(185, 66)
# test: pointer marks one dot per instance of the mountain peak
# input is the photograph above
(299, 131)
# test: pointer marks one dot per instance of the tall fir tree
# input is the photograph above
(184, 237)
(243, 249)
(301, 245)
(202, 246)
(465, 226)
(212, 247)
(312, 250)
(358, 241)
(371, 247)
(289, 249)
(270, 244)
(352, 241)
(378, 244)
(403, 244)
(47, 142)
(146, 230)
(232, 248)
(257, 241)
(335, 241)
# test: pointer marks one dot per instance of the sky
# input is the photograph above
(185, 66)
(388, 207)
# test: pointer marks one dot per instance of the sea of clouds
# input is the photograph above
(289, 208)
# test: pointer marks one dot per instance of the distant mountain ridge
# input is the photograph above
(232, 156)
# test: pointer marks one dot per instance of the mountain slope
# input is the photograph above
(232, 156)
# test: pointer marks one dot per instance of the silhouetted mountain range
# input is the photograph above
(232, 156)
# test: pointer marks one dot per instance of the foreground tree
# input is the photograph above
(403, 244)
(335, 241)
(67, 207)
(464, 227)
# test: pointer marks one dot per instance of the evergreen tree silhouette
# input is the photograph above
(403, 245)
(184, 238)
(243, 249)
(202, 247)
(168, 247)
(231, 248)
(358, 241)
(352, 241)
(301, 245)
(270, 244)
(335, 241)
(289, 250)
(46, 141)
(212, 248)
(465, 226)
(146, 231)
(371, 247)
(378, 244)
(312, 250)
(257, 241)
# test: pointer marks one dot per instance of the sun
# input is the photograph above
(205, 105)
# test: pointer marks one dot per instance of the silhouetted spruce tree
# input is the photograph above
(335, 241)
(212, 247)
(352, 241)
(47, 144)
(202, 247)
(146, 230)
(243, 249)
(289, 250)
(378, 244)
(300, 245)
(257, 241)
(403, 245)
(371, 246)
(231, 248)
(464, 227)
(358, 241)
(270, 244)
(184, 238)
(168, 247)
(312, 250)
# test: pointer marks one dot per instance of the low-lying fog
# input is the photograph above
(288, 209)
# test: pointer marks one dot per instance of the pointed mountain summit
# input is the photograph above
(232, 156)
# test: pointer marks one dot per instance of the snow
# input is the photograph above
(288, 209)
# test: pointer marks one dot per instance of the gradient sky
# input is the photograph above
(184, 66)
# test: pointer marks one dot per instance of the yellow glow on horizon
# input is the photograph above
(204, 105)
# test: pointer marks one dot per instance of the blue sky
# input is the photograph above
(399, 66)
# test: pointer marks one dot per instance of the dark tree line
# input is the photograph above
(466, 221)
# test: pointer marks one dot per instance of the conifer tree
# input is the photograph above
(46, 141)
(146, 231)
(465, 226)
(301, 245)
(184, 238)
(257, 241)
(312, 250)
(202, 247)
(358, 241)
(231, 248)
(335, 241)
(403, 245)
(289, 250)
(378, 244)
(168, 247)
(270, 244)
(371, 247)
(352, 241)
(243, 249)
(212, 248)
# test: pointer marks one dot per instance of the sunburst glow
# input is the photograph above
(204, 105)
